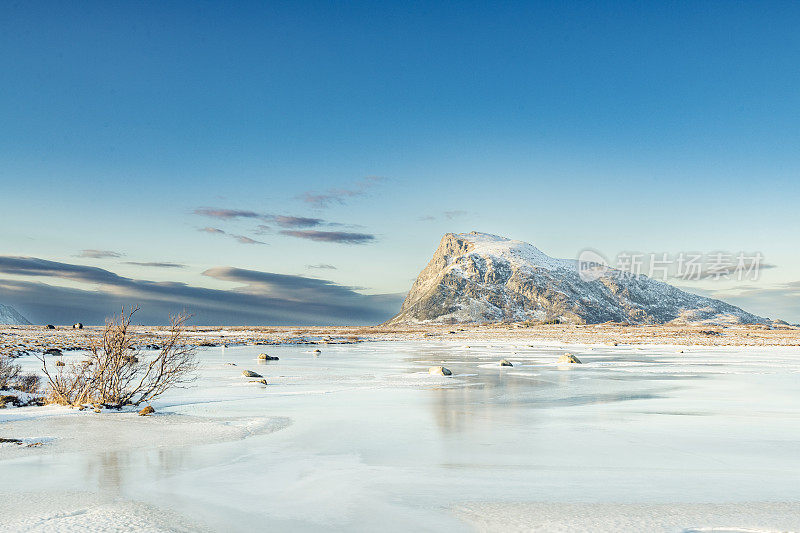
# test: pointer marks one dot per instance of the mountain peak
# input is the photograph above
(521, 254)
(10, 316)
(480, 277)
(478, 236)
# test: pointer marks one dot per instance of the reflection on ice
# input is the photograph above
(361, 437)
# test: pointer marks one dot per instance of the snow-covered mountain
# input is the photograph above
(10, 316)
(477, 277)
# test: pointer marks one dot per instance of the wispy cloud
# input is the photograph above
(98, 254)
(246, 240)
(295, 226)
(226, 214)
(341, 237)
(285, 221)
(216, 231)
(456, 213)
(154, 264)
(447, 215)
(321, 266)
(257, 297)
(340, 196)
(239, 238)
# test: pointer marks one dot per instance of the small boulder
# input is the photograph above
(440, 371)
(317, 351)
(147, 411)
(265, 357)
(77, 325)
(569, 358)
(60, 363)
(49, 326)
(251, 374)
(505, 362)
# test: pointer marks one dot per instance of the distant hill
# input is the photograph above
(477, 277)
(10, 316)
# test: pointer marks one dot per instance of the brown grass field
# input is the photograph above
(16, 340)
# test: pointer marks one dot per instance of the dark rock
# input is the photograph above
(53, 351)
(49, 326)
(77, 325)
(569, 359)
(265, 357)
(440, 370)
(251, 374)
(505, 362)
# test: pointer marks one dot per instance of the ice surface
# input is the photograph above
(362, 438)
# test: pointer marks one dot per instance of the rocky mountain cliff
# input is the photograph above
(10, 316)
(477, 277)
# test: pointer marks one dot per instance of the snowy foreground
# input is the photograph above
(362, 438)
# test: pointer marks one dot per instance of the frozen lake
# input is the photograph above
(362, 438)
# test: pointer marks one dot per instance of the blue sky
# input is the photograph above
(618, 126)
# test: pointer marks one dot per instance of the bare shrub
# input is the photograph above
(9, 372)
(28, 383)
(11, 376)
(117, 373)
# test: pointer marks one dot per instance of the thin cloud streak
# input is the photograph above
(340, 237)
(98, 254)
(225, 214)
(246, 240)
(243, 239)
(154, 264)
(284, 221)
(216, 231)
(325, 199)
(447, 215)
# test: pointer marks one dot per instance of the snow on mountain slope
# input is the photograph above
(477, 277)
(517, 253)
(10, 316)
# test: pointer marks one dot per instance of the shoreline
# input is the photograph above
(22, 340)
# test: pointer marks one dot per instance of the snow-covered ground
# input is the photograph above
(362, 438)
